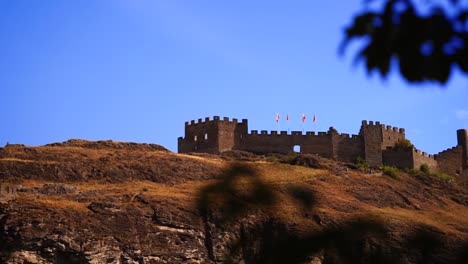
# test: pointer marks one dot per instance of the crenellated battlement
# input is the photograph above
(408, 158)
(384, 127)
(308, 134)
(349, 136)
(286, 133)
(422, 153)
(215, 119)
(452, 149)
(374, 143)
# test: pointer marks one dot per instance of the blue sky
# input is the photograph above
(136, 70)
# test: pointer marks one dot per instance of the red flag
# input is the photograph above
(303, 118)
(277, 118)
(315, 119)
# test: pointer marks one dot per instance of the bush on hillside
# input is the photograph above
(403, 144)
(425, 169)
(361, 164)
(443, 176)
(390, 171)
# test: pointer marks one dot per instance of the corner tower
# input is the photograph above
(377, 137)
(462, 137)
(212, 136)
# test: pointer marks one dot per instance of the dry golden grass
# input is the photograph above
(55, 202)
(31, 183)
(64, 204)
(26, 160)
(278, 172)
(339, 196)
(445, 220)
(200, 158)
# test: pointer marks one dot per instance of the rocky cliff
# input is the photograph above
(112, 202)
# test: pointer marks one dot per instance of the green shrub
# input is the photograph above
(412, 171)
(361, 164)
(273, 159)
(425, 169)
(332, 130)
(443, 176)
(288, 158)
(404, 144)
(390, 171)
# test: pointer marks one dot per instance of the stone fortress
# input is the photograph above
(375, 144)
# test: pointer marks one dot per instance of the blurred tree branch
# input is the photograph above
(427, 47)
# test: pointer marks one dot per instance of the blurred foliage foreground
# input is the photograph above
(241, 193)
(428, 39)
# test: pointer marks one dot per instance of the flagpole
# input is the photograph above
(277, 122)
(303, 121)
(315, 123)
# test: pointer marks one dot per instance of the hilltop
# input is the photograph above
(115, 202)
(377, 144)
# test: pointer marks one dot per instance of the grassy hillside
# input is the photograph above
(82, 201)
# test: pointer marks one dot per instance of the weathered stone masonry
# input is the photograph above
(374, 144)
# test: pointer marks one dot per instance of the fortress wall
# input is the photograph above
(184, 146)
(450, 160)
(221, 134)
(265, 143)
(399, 158)
(408, 158)
(348, 148)
(420, 158)
(274, 142)
(320, 145)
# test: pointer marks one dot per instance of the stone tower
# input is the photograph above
(212, 136)
(462, 136)
(376, 138)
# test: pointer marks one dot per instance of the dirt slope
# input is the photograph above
(114, 202)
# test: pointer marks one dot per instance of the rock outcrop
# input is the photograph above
(100, 202)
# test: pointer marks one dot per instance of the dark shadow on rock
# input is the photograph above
(462, 256)
(425, 244)
(233, 197)
(306, 160)
(274, 241)
(305, 197)
(240, 194)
